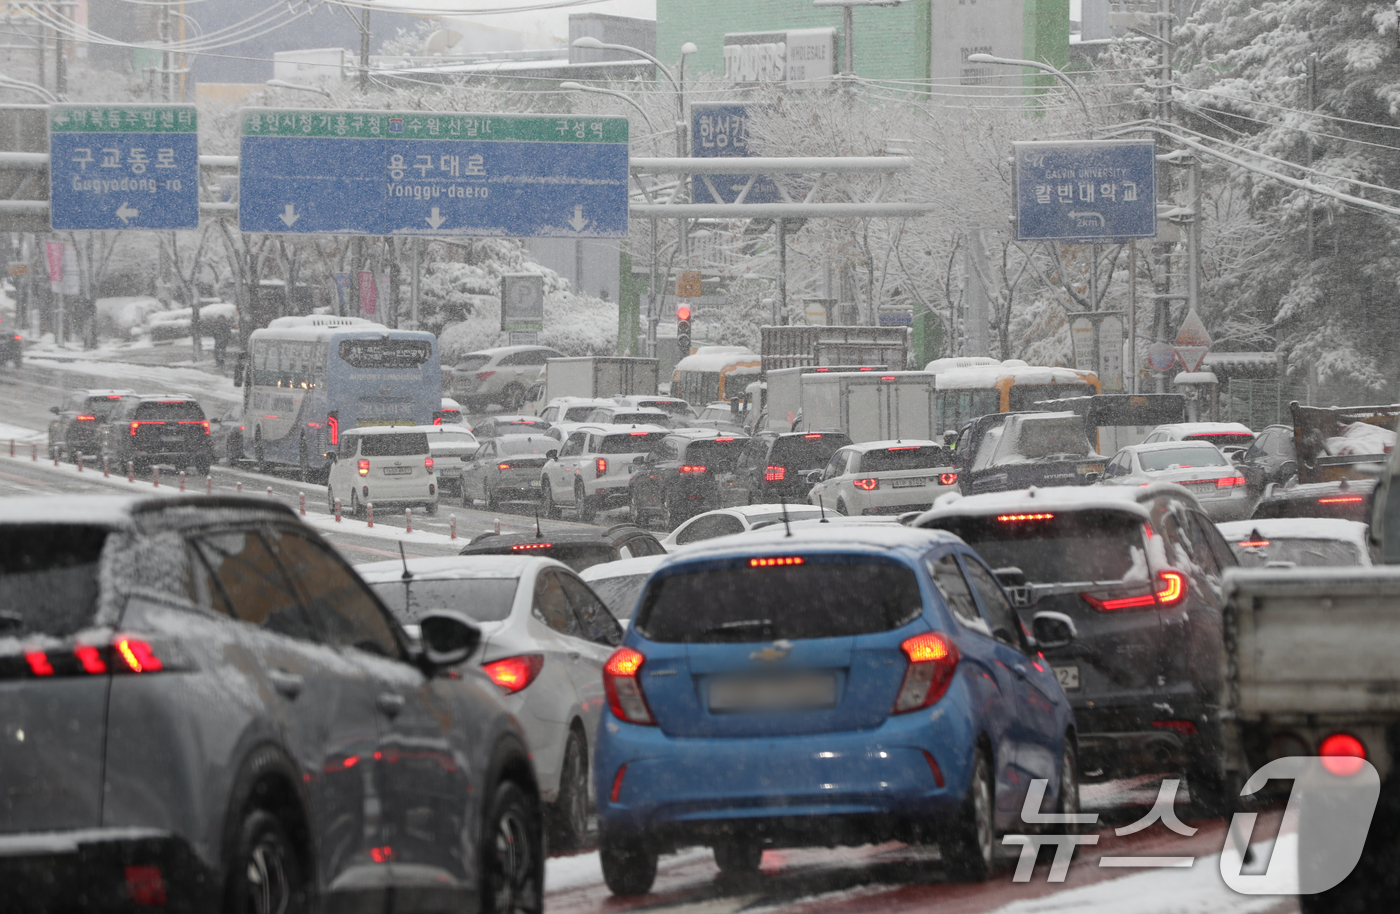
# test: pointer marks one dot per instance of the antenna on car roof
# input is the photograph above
(538, 534)
(821, 504)
(407, 575)
(785, 517)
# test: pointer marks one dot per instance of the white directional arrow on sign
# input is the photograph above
(290, 215)
(578, 222)
(125, 213)
(436, 219)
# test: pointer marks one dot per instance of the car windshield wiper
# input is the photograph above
(739, 627)
(10, 620)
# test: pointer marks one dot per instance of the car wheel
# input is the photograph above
(738, 856)
(69, 451)
(430, 509)
(265, 877)
(969, 847)
(587, 508)
(330, 500)
(635, 509)
(512, 866)
(1068, 802)
(569, 814)
(233, 446)
(841, 507)
(202, 465)
(547, 499)
(259, 458)
(356, 509)
(303, 462)
(629, 864)
(467, 500)
(513, 397)
(675, 514)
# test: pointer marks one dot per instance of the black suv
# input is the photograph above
(205, 709)
(159, 429)
(78, 426)
(577, 550)
(679, 478)
(1137, 570)
(1271, 459)
(774, 467)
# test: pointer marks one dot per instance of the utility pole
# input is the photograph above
(60, 66)
(364, 51)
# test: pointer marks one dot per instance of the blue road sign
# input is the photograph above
(1087, 191)
(376, 173)
(114, 167)
(721, 131)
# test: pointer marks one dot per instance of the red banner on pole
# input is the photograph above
(369, 297)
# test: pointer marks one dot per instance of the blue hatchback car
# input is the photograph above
(836, 687)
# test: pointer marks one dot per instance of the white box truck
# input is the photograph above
(869, 406)
(599, 376)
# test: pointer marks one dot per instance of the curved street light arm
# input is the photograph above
(1045, 67)
(598, 90)
(595, 44)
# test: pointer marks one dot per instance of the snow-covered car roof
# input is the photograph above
(1204, 428)
(449, 403)
(622, 568)
(1048, 500)
(866, 446)
(1322, 528)
(604, 428)
(830, 538)
(495, 351)
(389, 430)
(100, 392)
(450, 430)
(960, 378)
(454, 567)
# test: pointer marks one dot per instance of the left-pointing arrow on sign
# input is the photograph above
(290, 215)
(125, 213)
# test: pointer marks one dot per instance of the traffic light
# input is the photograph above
(683, 330)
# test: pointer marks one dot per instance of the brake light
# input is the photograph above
(811, 437)
(39, 663)
(774, 474)
(503, 466)
(145, 886)
(1170, 591)
(1019, 518)
(87, 418)
(526, 547)
(933, 659)
(1173, 587)
(514, 673)
(690, 469)
(887, 379)
(483, 375)
(138, 424)
(780, 560)
(138, 656)
(333, 423)
(600, 467)
(203, 422)
(1253, 544)
(905, 447)
(866, 485)
(639, 434)
(91, 659)
(947, 479)
(1229, 481)
(363, 466)
(1342, 754)
(428, 465)
(724, 439)
(1341, 500)
(624, 691)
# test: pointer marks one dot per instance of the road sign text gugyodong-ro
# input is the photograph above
(429, 173)
(1086, 191)
(123, 166)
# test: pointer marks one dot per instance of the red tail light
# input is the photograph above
(514, 673)
(1171, 590)
(503, 466)
(617, 783)
(333, 423)
(777, 560)
(428, 464)
(811, 437)
(145, 886)
(624, 690)
(690, 469)
(1342, 754)
(483, 375)
(600, 467)
(933, 658)
(947, 479)
(527, 547)
(363, 466)
(1229, 481)
(136, 425)
(91, 659)
(203, 422)
(1341, 500)
(1184, 727)
(774, 474)
(866, 485)
(437, 420)
(39, 663)
(138, 656)
(124, 654)
(1019, 518)
(87, 418)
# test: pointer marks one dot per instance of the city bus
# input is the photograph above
(307, 379)
(714, 373)
(963, 394)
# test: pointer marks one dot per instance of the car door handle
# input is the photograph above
(287, 684)
(389, 703)
(574, 655)
(1020, 670)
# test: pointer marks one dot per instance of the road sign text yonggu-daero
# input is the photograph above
(1087, 191)
(123, 166)
(429, 173)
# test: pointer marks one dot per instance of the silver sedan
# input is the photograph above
(1198, 466)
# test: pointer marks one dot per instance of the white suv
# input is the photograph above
(383, 466)
(501, 375)
(593, 466)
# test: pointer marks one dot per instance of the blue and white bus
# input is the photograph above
(307, 379)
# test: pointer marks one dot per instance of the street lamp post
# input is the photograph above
(283, 84)
(1046, 68)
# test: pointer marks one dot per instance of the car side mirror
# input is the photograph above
(331, 456)
(814, 477)
(1010, 576)
(551, 455)
(1053, 630)
(55, 410)
(639, 459)
(1093, 477)
(447, 638)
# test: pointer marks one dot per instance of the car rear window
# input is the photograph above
(472, 362)
(48, 578)
(484, 599)
(1056, 548)
(168, 409)
(653, 418)
(906, 457)
(675, 407)
(719, 455)
(101, 407)
(406, 445)
(1041, 438)
(620, 594)
(1298, 550)
(827, 596)
(525, 446)
(1181, 457)
(577, 413)
(1224, 439)
(806, 452)
(631, 443)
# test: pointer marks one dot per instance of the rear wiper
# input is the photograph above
(10, 621)
(742, 625)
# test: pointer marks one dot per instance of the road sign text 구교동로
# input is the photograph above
(432, 173)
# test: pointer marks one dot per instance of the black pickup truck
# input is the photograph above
(1004, 451)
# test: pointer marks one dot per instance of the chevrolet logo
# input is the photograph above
(778, 650)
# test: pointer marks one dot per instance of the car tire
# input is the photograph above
(266, 874)
(512, 854)
(674, 515)
(356, 508)
(629, 864)
(259, 458)
(587, 508)
(635, 510)
(841, 507)
(1067, 801)
(569, 813)
(467, 500)
(550, 508)
(738, 856)
(970, 845)
(330, 500)
(492, 503)
(303, 462)
(70, 453)
(430, 509)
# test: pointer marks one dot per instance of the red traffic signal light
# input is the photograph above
(683, 313)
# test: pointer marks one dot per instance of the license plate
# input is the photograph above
(798, 692)
(534, 483)
(1084, 469)
(913, 483)
(397, 471)
(1068, 676)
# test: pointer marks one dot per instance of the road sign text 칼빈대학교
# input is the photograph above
(1086, 191)
(123, 166)
(429, 173)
